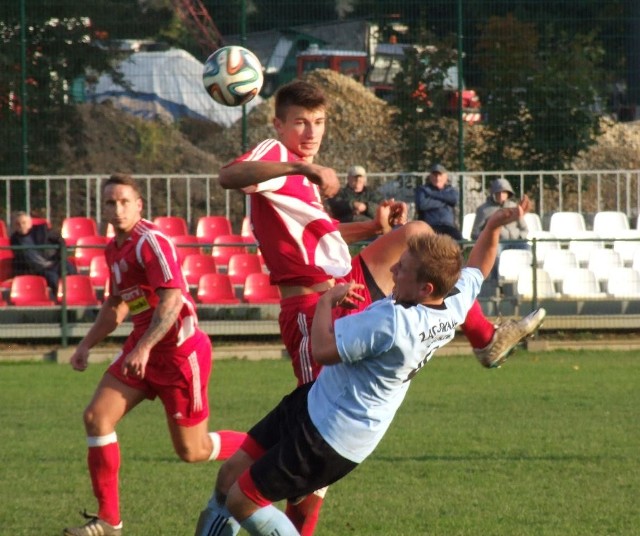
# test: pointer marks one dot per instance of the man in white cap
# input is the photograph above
(355, 202)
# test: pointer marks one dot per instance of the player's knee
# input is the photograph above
(189, 454)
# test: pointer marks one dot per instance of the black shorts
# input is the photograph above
(297, 460)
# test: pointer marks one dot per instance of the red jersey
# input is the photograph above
(148, 261)
(299, 241)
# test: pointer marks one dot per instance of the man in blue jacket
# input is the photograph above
(436, 201)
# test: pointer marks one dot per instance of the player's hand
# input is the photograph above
(135, 363)
(383, 217)
(80, 359)
(508, 215)
(325, 178)
(398, 213)
(345, 295)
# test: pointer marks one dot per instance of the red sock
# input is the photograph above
(478, 330)
(304, 515)
(104, 464)
(230, 442)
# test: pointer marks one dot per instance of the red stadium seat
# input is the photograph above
(77, 226)
(79, 291)
(196, 265)
(4, 232)
(29, 291)
(98, 271)
(246, 231)
(258, 289)
(216, 288)
(224, 246)
(172, 225)
(185, 245)
(209, 227)
(88, 247)
(6, 263)
(241, 265)
(39, 221)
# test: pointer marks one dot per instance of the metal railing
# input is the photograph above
(192, 196)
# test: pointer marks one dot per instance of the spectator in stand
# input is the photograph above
(514, 234)
(36, 260)
(436, 202)
(354, 202)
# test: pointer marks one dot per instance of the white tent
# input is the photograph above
(165, 85)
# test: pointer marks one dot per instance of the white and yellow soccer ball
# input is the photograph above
(232, 75)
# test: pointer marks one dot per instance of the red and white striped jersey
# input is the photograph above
(300, 242)
(146, 262)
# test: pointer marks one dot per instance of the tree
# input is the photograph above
(60, 52)
(539, 93)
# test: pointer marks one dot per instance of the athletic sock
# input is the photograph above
(103, 458)
(477, 328)
(269, 521)
(304, 514)
(215, 520)
(225, 443)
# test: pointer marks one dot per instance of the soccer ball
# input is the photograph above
(232, 75)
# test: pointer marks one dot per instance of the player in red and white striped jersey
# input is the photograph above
(307, 252)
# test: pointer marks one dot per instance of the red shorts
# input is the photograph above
(296, 316)
(179, 376)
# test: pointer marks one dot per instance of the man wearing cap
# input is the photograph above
(512, 235)
(355, 202)
(436, 201)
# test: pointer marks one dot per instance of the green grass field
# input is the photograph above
(547, 445)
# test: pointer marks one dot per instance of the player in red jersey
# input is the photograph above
(307, 252)
(166, 354)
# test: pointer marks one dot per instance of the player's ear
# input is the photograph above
(426, 290)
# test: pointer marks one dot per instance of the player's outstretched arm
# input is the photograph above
(483, 254)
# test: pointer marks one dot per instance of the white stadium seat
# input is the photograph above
(624, 283)
(565, 225)
(602, 262)
(533, 222)
(610, 224)
(544, 285)
(581, 283)
(558, 262)
(467, 225)
(544, 243)
(511, 262)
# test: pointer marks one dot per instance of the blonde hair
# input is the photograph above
(439, 261)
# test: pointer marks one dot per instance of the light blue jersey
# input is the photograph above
(353, 403)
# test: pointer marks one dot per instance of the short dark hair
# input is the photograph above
(124, 179)
(299, 93)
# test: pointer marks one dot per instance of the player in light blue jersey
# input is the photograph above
(321, 431)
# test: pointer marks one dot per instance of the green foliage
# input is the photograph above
(539, 93)
(546, 445)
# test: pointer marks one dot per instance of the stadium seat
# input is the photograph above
(98, 271)
(602, 261)
(258, 289)
(4, 232)
(75, 227)
(544, 285)
(216, 289)
(79, 291)
(627, 246)
(511, 262)
(565, 225)
(224, 246)
(241, 265)
(533, 222)
(246, 231)
(624, 283)
(29, 291)
(6, 262)
(196, 265)
(88, 247)
(172, 225)
(544, 243)
(582, 249)
(39, 221)
(467, 225)
(185, 245)
(610, 224)
(558, 262)
(210, 227)
(581, 283)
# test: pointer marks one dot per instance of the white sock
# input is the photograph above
(215, 445)
(269, 521)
